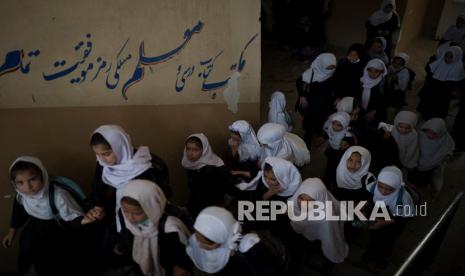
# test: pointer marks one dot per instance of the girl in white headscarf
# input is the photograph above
(245, 150)
(219, 248)
(350, 105)
(352, 174)
(436, 147)
(208, 179)
(277, 113)
(397, 80)
(390, 190)
(406, 137)
(44, 241)
(276, 141)
(378, 49)
(159, 239)
(383, 22)
(444, 75)
(330, 233)
(455, 33)
(315, 90)
(373, 106)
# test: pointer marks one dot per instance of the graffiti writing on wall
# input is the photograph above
(88, 68)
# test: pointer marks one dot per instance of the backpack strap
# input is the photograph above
(162, 223)
(51, 199)
(400, 196)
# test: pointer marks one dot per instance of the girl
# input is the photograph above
(388, 189)
(339, 139)
(277, 113)
(244, 150)
(330, 233)
(316, 94)
(208, 179)
(219, 248)
(352, 174)
(118, 163)
(348, 72)
(159, 240)
(372, 99)
(276, 141)
(383, 22)
(47, 243)
(436, 147)
(378, 49)
(455, 33)
(446, 73)
(397, 80)
(406, 137)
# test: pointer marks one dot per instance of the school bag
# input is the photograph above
(181, 213)
(412, 76)
(71, 187)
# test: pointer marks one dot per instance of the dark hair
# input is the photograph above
(235, 132)
(267, 167)
(130, 201)
(195, 140)
(24, 166)
(98, 139)
(360, 50)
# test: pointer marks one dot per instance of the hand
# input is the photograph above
(370, 116)
(344, 145)
(318, 141)
(118, 250)
(178, 271)
(7, 241)
(336, 102)
(303, 103)
(96, 213)
(386, 135)
(243, 173)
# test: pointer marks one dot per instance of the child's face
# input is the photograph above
(431, 134)
(397, 62)
(303, 199)
(105, 154)
(193, 152)
(353, 56)
(385, 189)
(404, 128)
(134, 214)
(336, 125)
(206, 243)
(376, 47)
(235, 140)
(388, 8)
(271, 180)
(448, 58)
(374, 73)
(354, 163)
(28, 182)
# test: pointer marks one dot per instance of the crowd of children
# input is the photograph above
(128, 219)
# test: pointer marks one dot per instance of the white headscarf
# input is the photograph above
(208, 156)
(249, 149)
(346, 104)
(455, 34)
(277, 110)
(442, 49)
(282, 144)
(379, 16)
(129, 164)
(352, 180)
(403, 56)
(335, 138)
(218, 225)
(409, 150)
(38, 205)
(392, 176)
(317, 71)
(286, 174)
(145, 250)
(449, 72)
(434, 152)
(330, 233)
(368, 83)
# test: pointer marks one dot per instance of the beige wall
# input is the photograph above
(412, 25)
(450, 11)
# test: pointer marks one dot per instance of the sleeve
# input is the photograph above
(403, 77)
(19, 216)
(229, 181)
(300, 86)
(173, 252)
(102, 194)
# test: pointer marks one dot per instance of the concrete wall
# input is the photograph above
(53, 119)
(412, 26)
